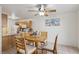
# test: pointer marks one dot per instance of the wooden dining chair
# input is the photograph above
(24, 34)
(48, 48)
(22, 48)
(44, 35)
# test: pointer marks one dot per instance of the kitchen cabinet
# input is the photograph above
(8, 42)
(24, 23)
(4, 20)
(30, 24)
(5, 43)
(4, 24)
(8, 39)
(12, 41)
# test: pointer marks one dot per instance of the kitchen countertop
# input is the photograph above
(8, 34)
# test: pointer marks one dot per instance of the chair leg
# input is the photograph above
(17, 52)
(34, 52)
(55, 51)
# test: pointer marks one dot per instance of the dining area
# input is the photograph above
(20, 37)
(33, 42)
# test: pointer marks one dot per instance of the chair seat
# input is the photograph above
(29, 49)
(48, 45)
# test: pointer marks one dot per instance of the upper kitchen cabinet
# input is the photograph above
(4, 24)
(30, 24)
(24, 23)
(4, 20)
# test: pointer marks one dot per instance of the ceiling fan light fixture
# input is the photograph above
(41, 13)
(46, 14)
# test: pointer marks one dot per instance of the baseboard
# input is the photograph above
(68, 46)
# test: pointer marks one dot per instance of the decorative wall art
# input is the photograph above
(52, 22)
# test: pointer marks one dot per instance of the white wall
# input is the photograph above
(67, 31)
(0, 32)
(11, 26)
(69, 21)
(78, 30)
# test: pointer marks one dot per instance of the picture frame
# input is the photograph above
(52, 22)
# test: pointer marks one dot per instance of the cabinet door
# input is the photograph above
(30, 24)
(4, 24)
(5, 43)
(12, 41)
(4, 20)
(8, 42)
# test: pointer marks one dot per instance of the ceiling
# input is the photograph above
(21, 10)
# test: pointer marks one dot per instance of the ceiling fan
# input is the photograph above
(42, 11)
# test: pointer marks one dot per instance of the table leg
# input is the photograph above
(36, 45)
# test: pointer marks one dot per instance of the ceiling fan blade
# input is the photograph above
(32, 10)
(51, 11)
(35, 14)
(46, 14)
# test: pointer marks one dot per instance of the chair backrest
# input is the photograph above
(20, 45)
(55, 45)
(44, 34)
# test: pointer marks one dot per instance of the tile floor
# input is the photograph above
(61, 50)
(67, 50)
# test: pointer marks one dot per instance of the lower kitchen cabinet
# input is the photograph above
(8, 42)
